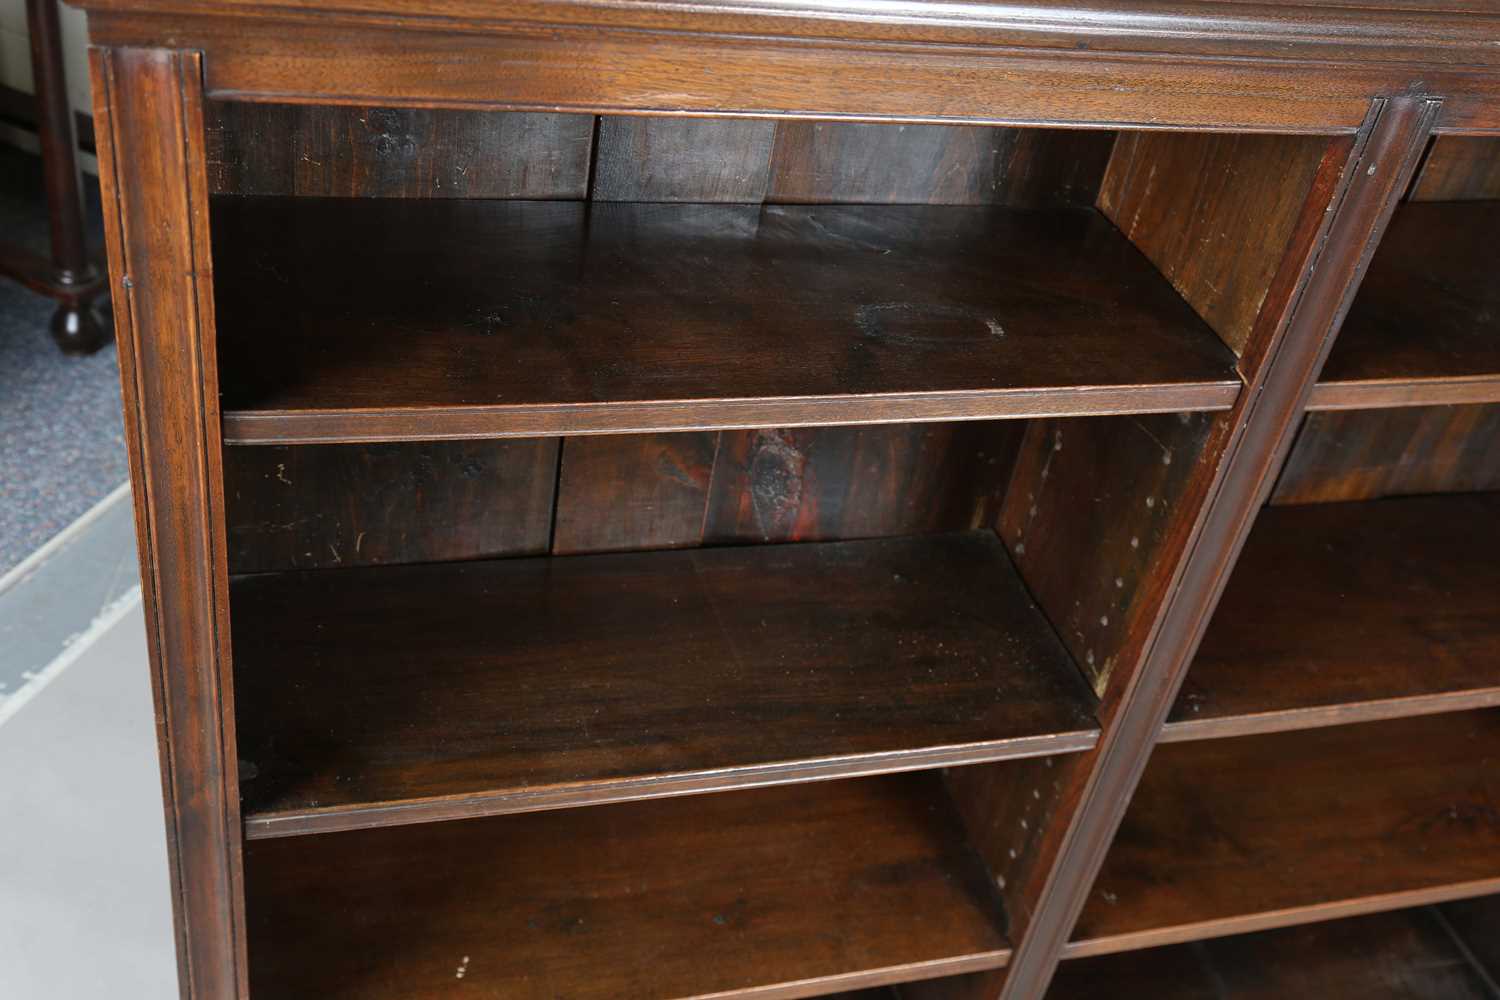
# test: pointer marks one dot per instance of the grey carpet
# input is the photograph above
(61, 438)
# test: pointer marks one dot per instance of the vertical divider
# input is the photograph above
(1102, 512)
(1272, 275)
(148, 106)
(1352, 197)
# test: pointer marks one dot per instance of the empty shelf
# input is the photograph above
(1234, 835)
(1351, 612)
(406, 693)
(792, 891)
(388, 319)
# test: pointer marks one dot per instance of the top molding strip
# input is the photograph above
(1294, 66)
(1447, 33)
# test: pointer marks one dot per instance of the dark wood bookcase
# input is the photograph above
(662, 501)
(1333, 750)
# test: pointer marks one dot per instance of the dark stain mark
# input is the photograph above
(733, 915)
(390, 135)
(776, 483)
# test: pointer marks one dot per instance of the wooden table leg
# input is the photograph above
(72, 279)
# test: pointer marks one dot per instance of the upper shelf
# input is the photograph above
(1350, 612)
(459, 318)
(402, 694)
(1425, 326)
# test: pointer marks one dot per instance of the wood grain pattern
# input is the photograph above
(683, 897)
(1096, 514)
(1215, 213)
(373, 152)
(740, 61)
(682, 160)
(149, 108)
(1366, 454)
(1425, 327)
(395, 695)
(1010, 812)
(823, 162)
(1303, 33)
(1460, 168)
(1342, 613)
(793, 162)
(1225, 836)
(637, 491)
(627, 492)
(830, 483)
(513, 318)
(357, 505)
(1406, 955)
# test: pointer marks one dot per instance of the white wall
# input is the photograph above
(15, 51)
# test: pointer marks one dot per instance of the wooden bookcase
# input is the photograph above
(1333, 750)
(641, 501)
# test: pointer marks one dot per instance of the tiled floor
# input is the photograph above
(60, 590)
(85, 908)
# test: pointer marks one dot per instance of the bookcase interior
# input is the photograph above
(1425, 326)
(576, 467)
(1332, 751)
(1444, 952)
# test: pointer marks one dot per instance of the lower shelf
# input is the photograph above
(1246, 833)
(1406, 955)
(790, 891)
(397, 694)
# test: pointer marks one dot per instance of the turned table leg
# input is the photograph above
(73, 281)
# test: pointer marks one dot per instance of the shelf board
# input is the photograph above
(1424, 329)
(1350, 612)
(778, 892)
(1236, 835)
(403, 694)
(1384, 956)
(461, 318)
